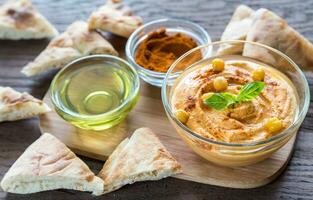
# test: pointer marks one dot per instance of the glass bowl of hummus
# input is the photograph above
(237, 105)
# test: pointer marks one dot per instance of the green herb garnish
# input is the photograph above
(219, 101)
(250, 91)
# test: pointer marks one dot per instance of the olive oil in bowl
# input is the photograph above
(95, 92)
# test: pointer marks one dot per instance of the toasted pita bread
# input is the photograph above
(269, 29)
(237, 29)
(140, 158)
(19, 20)
(77, 41)
(115, 17)
(15, 105)
(48, 164)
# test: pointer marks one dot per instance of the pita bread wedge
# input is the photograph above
(77, 41)
(48, 164)
(140, 158)
(237, 29)
(115, 17)
(269, 29)
(15, 105)
(19, 20)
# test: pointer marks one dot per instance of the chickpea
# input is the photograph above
(182, 116)
(220, 83)
(258, 74)
(273, 125)
(205, 96)
(218, 65)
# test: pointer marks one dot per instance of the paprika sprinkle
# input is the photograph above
(159, 50)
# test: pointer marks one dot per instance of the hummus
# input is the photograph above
(244, 122)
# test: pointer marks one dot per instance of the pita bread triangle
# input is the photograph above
(19, 20)
(15, 105)
(237, 29)
(48, 164)
(270, 29)
(116, 18)
(265, 27)
(140, 158)
(77, 41)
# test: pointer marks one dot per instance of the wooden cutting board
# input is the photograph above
(149, 112)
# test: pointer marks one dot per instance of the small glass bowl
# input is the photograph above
(191, 29)
(126, 75)
(233, 154)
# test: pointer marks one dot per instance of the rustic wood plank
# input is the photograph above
(295, 183)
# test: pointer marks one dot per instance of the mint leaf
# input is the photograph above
(232, 99)
(250, 91)
(220, 101)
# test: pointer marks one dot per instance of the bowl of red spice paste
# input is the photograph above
(154, 47)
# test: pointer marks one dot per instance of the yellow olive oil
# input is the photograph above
(95, 96)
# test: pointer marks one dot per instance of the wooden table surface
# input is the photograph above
(295, 183)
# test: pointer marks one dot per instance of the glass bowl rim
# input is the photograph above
(128, 46)
(299, 118)
(128, 100)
